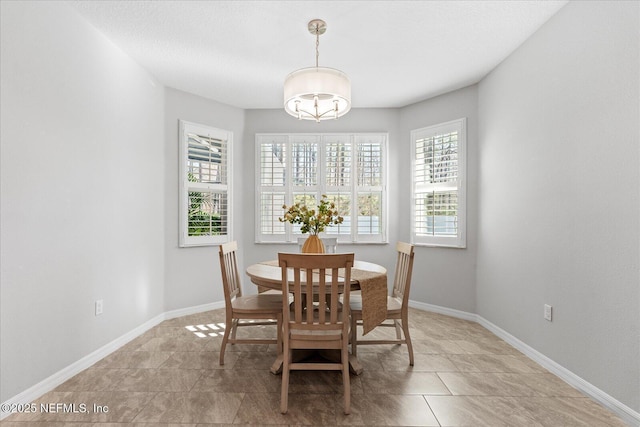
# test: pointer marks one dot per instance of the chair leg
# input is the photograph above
(346, 380)
(225, 338)
(279, 333)
(354, 335)
(234, 329)
(399, 327)
(284, 392)
(407, 337)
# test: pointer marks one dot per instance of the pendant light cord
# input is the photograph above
(317, 43)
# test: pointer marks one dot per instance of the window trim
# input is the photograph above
(353, 237)
(460, 240)
(185, 128)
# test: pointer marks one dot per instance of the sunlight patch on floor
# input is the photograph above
(208, 330)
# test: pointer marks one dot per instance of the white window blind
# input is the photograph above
(438, 199)
(300, 168)
(205, 187)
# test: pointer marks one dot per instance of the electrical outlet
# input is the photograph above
(99, 307)
(547, 312)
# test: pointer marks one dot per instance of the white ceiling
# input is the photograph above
(395, 52)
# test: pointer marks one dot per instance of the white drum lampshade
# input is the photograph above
(317, 93)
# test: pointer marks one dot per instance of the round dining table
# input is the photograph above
(267, 274)
(367, 277)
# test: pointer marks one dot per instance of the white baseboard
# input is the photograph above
(627, 414)
(193, 310)
(48, 384)
(630, 416)
(444, 310)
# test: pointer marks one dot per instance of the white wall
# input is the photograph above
(81, 192)
(559, 194)
(443, 276)
(192, 275)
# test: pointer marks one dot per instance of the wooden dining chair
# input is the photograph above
(323, 324)
(397, 305)
(267, 308)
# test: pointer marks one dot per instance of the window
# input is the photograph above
(205, 185)
(349, 168)
(438, 171)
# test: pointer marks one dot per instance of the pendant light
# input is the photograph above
(317, 93)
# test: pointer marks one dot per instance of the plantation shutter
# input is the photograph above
(205, 185)
(338, 178)
(300, 168)
(272, 158)
(438, 167)
(305, 167)
(369, 187)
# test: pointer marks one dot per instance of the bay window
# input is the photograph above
(350, 169)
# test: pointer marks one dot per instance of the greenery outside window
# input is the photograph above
(205, 187)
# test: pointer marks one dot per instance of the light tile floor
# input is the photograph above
(463, 376)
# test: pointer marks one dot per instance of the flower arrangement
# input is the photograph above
(313, 222)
